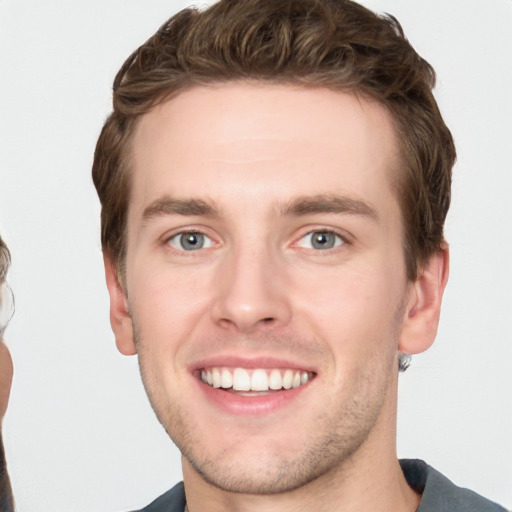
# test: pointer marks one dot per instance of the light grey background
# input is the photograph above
(79, 433)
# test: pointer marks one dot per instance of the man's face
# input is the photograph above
(264, 250)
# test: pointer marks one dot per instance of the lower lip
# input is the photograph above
(235, 404)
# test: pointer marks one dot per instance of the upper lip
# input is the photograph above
(250, 362)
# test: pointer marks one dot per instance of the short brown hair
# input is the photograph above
(336, 44)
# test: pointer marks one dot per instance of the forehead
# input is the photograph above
(251, 138)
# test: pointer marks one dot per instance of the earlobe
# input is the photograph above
(423, 308)
(120, 319)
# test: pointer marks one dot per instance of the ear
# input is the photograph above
(421, 316)
(120, 319)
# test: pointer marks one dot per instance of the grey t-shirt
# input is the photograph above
(438, 493)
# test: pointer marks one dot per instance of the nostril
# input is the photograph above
(268, 320)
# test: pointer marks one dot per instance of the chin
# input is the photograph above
(264, 471)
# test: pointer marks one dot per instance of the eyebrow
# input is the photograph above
(172, 206)
(305, 205)
(302, 205)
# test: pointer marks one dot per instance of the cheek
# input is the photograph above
(356, 311)
(168, 304)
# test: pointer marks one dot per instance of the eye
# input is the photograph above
(321, 240)
(191, 241)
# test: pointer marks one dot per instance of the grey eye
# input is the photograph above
(320, 240)
(190, 241)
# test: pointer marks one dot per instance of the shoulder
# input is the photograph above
(171, 501)
(440, 494)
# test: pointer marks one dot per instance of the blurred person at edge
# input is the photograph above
(6, 370)
(274, 181)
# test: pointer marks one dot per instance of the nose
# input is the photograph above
(251, 292)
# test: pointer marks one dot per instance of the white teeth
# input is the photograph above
(296, 380)
(287, 379)
(275, 380)
(241, 380)
(258, 379)
(226, 380)
(216, 378)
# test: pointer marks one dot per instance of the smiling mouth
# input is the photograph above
(254, 380)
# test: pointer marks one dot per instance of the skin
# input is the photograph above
(6, 371)
(260, 291)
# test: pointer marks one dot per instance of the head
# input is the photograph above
(338, 45)
(6, 307)
(273, 175)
